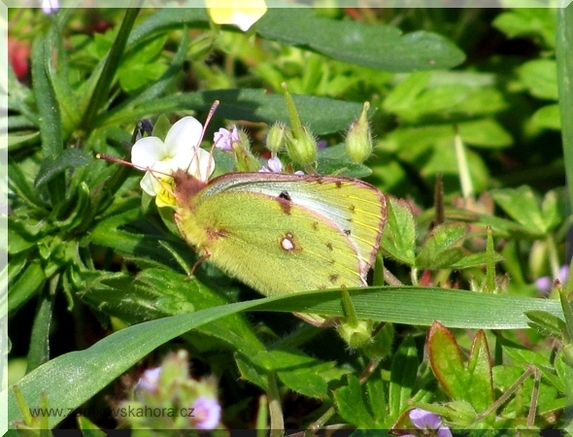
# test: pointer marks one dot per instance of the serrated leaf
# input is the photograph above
(440, 248)
(399, 236)
(522, 205)
(479, 389)
(475, 260)
(251, 372)
(352, 404)
(404, 370)
(546, 323)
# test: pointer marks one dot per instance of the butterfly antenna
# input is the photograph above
(117, 160)
(207, 121)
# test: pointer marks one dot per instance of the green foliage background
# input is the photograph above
(468, 100)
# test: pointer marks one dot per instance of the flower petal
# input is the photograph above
(184, 134)
(149, 379)
(444, 431)
(423, 419)
(206, 412)
(146, 151)
(150, 181)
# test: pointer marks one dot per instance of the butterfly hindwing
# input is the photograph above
(271, 243)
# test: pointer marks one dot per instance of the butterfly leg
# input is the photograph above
(207, 254)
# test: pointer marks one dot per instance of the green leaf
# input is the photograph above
(547, 117)
(39, 351)
(90, 370)
(159, 292)
(523, 206)
(423, 97)
(251, 372)
(540, 77)
(53, 165)
(323, 115)
(446, 361)
(352, 404)
(334, 160)
(475, 260)
(529, 20)
(519, 354)
(554, 207)
(486, 133)
(88, 428)
(298, 371)
(399, 236)
(479, 389)
(403, 376)
(546, 324)
(440, 250)
(375, 46)
(26, 285)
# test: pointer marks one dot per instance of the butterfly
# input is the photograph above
(283, 233)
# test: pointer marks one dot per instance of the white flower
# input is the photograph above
(180, 150)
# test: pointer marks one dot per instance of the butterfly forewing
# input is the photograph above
(356, 208)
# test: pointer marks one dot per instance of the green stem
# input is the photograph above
(564, 56)
(553, 256)
(463, 167)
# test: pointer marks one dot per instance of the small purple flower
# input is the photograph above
(224, 138)
(545, 284)
(426, 420)
(149, 380)
(274, 165)
(49, 6)
(206, 413)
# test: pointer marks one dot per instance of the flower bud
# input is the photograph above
(302, 149)
(276, 138)
(356, 335)
(359, 138)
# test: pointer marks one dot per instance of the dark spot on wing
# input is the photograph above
(285, 195)
(338, 184)
(329, 245)
(333, 278)
(352, 208)
(315, 226)
(347, 231)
